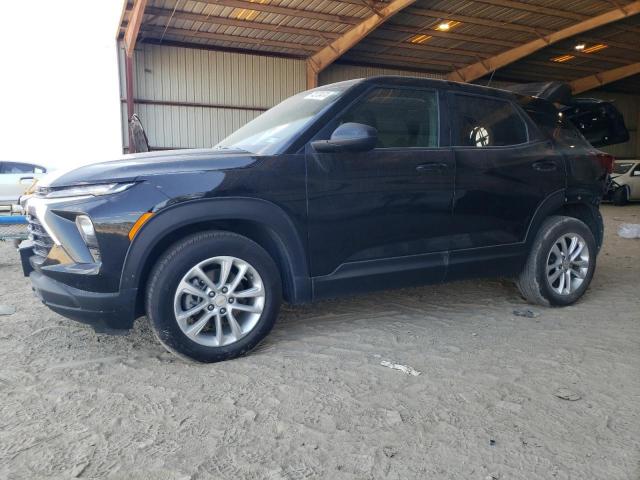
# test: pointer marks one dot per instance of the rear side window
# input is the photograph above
(10, 167)
(486, 122)
(402, 117)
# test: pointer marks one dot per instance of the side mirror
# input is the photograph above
(348, 137)
(636, 173)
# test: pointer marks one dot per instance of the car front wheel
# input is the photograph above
(213, 296)
(561, 263)
(621, 196)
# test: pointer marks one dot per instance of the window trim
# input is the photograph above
(454, 126)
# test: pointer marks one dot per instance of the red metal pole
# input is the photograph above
(128, 71)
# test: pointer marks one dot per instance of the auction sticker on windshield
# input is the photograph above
(321, 95)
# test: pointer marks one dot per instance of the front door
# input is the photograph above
(381, 218)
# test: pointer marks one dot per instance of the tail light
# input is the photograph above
(606, 161)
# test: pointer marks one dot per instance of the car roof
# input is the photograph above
(439, 83)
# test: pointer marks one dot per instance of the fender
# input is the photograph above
(553, 202)
(567, 198)
(173, 218)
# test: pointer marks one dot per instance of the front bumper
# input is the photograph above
(105, 312)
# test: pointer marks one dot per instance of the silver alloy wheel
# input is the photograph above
(567, 263)
(219, 301)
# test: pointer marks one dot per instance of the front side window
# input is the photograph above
(404, 118)
(486, 122)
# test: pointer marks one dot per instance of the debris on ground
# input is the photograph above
(390, 452)
(525, 312)
(629, 230)
(492, 442)
(7, 310)
(567, 394)
(403, 368)
(393, 417)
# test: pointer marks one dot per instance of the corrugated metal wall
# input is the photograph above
(195, 98)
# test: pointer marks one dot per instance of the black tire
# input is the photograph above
(177, 261)
(621, 196)
(533, 283)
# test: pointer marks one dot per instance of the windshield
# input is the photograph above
(621, 168)
(273, 129)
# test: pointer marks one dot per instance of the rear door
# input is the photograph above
(504, 171)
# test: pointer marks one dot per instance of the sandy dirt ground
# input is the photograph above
(313, 400)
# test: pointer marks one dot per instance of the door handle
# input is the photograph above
(427, 167)
(545, 166)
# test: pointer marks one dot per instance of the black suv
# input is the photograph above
(350, 187)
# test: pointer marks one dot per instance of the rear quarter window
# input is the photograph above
(486, 122)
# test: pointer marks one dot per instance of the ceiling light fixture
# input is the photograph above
(421, 38)
(579, 47)
(447, 25)
(562, 58)
(595, 48)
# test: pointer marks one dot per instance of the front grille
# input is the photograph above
(42, 242)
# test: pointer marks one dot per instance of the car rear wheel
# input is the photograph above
(213, 296)
(561, 263)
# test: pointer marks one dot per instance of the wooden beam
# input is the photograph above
(232, 22)
(325, 57)
(133, 27)
(312, 77)
(479, 69)
(495, 42)
(553, 12)
(438, 14)
(463, 37)
(181, 32)
(602, 78)
(425, 48)
(123, 13)
(289, 12)
(510, 26)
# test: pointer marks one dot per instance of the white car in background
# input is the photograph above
(15, 179)
(625, 181)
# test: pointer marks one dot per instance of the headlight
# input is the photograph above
(83, 190)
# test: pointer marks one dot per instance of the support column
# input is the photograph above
(128, 72)
(312, 76)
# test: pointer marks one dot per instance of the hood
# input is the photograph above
(142, 165)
